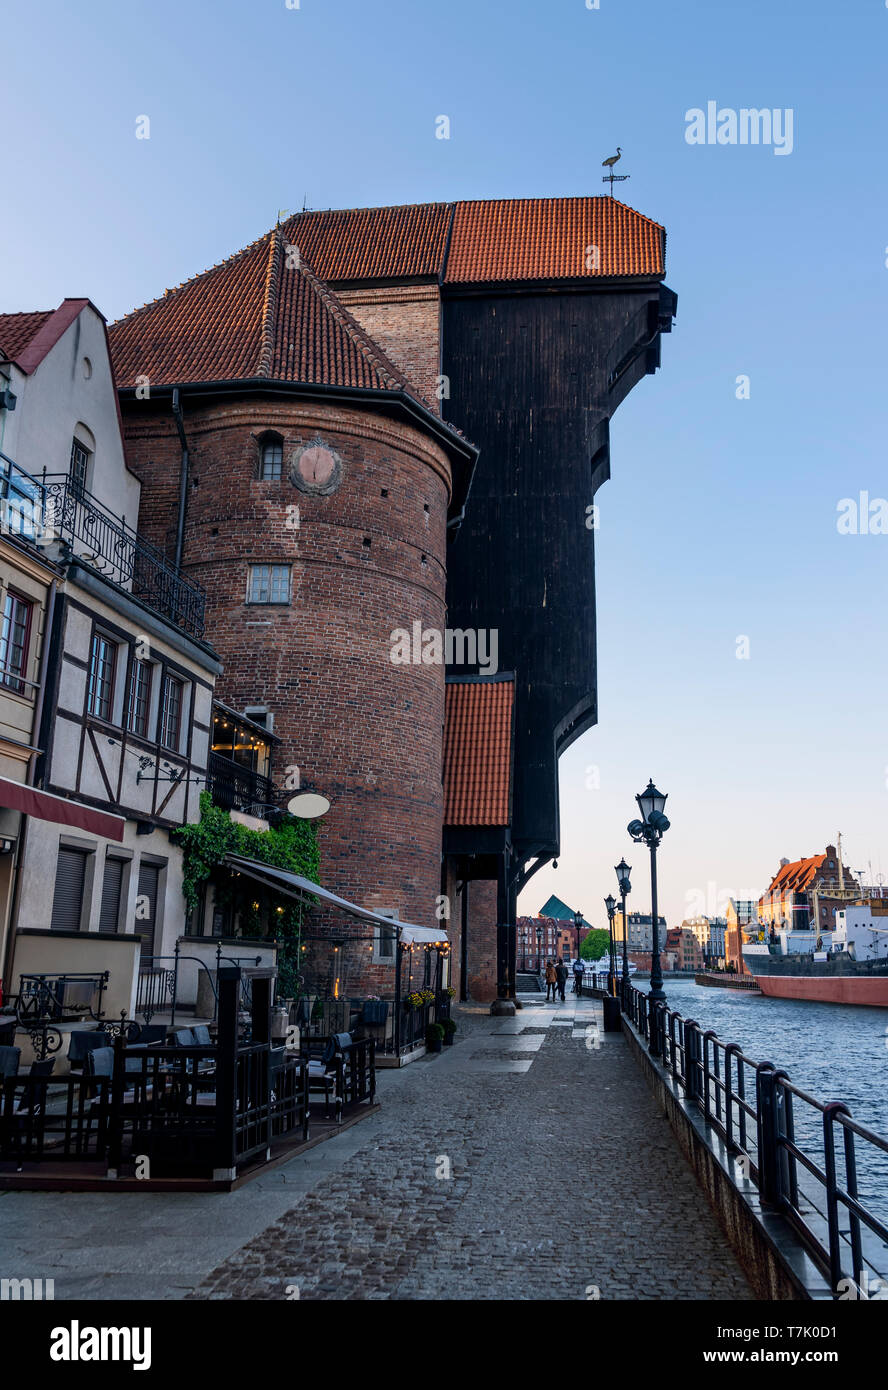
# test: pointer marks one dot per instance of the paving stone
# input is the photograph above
(399, 1223)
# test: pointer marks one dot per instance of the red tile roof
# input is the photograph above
(796, 876)
(26, 338)
(552, 239)
(258, 314)
(393, 243)
(17, 330)
(478, 242)
(478, 751)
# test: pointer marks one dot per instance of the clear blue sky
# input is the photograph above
(720, 518)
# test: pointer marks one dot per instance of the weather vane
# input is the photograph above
(610, 177)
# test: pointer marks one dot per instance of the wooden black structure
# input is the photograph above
(536, 371)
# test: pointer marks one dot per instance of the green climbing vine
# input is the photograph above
(292, 845)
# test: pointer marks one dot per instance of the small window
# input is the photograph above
(102, 663)
(271, 457)
(15, 636)
(139, 698)
(70, 884)
(112, 887)
(384, 940)
(171, 713)
(80, 457)
(269, 584)
(147, 905)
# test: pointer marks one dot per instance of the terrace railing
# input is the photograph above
(55, 507)
(785, 1142)
(236, 788)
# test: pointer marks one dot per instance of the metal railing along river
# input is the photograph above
(770, 1126)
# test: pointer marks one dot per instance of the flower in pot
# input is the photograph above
(449, 1027)
(434, 1037)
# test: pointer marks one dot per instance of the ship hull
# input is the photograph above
(841, 981)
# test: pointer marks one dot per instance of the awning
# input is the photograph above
(15, 796)
(295, 886)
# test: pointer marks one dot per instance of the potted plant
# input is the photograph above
(434, 1037)
(449, 1026)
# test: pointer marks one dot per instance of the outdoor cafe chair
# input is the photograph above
(31, 1103)
(9, 1061)
(83, 1041)
(325, 1072)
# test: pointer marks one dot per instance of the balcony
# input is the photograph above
(54, 508)
(237, 788)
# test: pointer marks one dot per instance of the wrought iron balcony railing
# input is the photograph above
(236, 788)
(57, 508)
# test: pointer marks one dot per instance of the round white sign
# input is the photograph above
(308, 806)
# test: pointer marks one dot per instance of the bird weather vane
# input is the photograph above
(610, 177)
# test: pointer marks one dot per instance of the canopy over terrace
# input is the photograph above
(335, 964)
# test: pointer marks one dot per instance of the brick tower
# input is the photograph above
(319, 485)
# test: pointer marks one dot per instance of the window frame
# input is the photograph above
(99, 636)
(270, 440)
(15, 680)
(170, 679)
(79, 484)
(270, 601)
(137, 666)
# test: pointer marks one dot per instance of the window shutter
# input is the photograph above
(67, 902)
(149, 876)
(109, 916)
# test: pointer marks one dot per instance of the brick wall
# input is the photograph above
(405, 322)
(481, 967)
(366, 560)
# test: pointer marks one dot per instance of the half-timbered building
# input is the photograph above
(105, 677)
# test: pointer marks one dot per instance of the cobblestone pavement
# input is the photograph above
(487, 1175)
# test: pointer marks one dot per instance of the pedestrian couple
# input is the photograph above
(556, 979)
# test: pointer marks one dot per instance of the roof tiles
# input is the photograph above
(18, 330)
(260, 314)
(552, 239)
(478, 752)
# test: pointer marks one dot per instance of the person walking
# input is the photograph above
(551, 980)
(561, 977)
(578, 977)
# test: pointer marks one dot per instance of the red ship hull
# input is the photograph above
(836, 989)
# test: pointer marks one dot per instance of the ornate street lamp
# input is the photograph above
(611, 905)
(650, 831)
(539, 932)
(623, 871)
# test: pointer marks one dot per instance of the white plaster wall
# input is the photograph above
(55, 398)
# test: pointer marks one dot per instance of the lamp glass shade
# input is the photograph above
(610, 903)
(650, 800)
(622, 871)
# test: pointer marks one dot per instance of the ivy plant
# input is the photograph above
(292, 845)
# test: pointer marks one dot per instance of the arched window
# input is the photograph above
(271, 456)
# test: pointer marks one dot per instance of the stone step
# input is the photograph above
(527, 984)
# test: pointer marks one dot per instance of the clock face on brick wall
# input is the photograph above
(316, 468)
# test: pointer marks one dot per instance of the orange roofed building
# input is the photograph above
(389, 419)
(804, 893)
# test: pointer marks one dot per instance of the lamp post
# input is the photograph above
(539, 932)
(649, 830)
(579, 924)
(622, 871)
(611, 905)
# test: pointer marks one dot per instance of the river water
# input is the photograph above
(832, 1051)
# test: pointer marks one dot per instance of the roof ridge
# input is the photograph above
(270, 302)
(562, 198)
